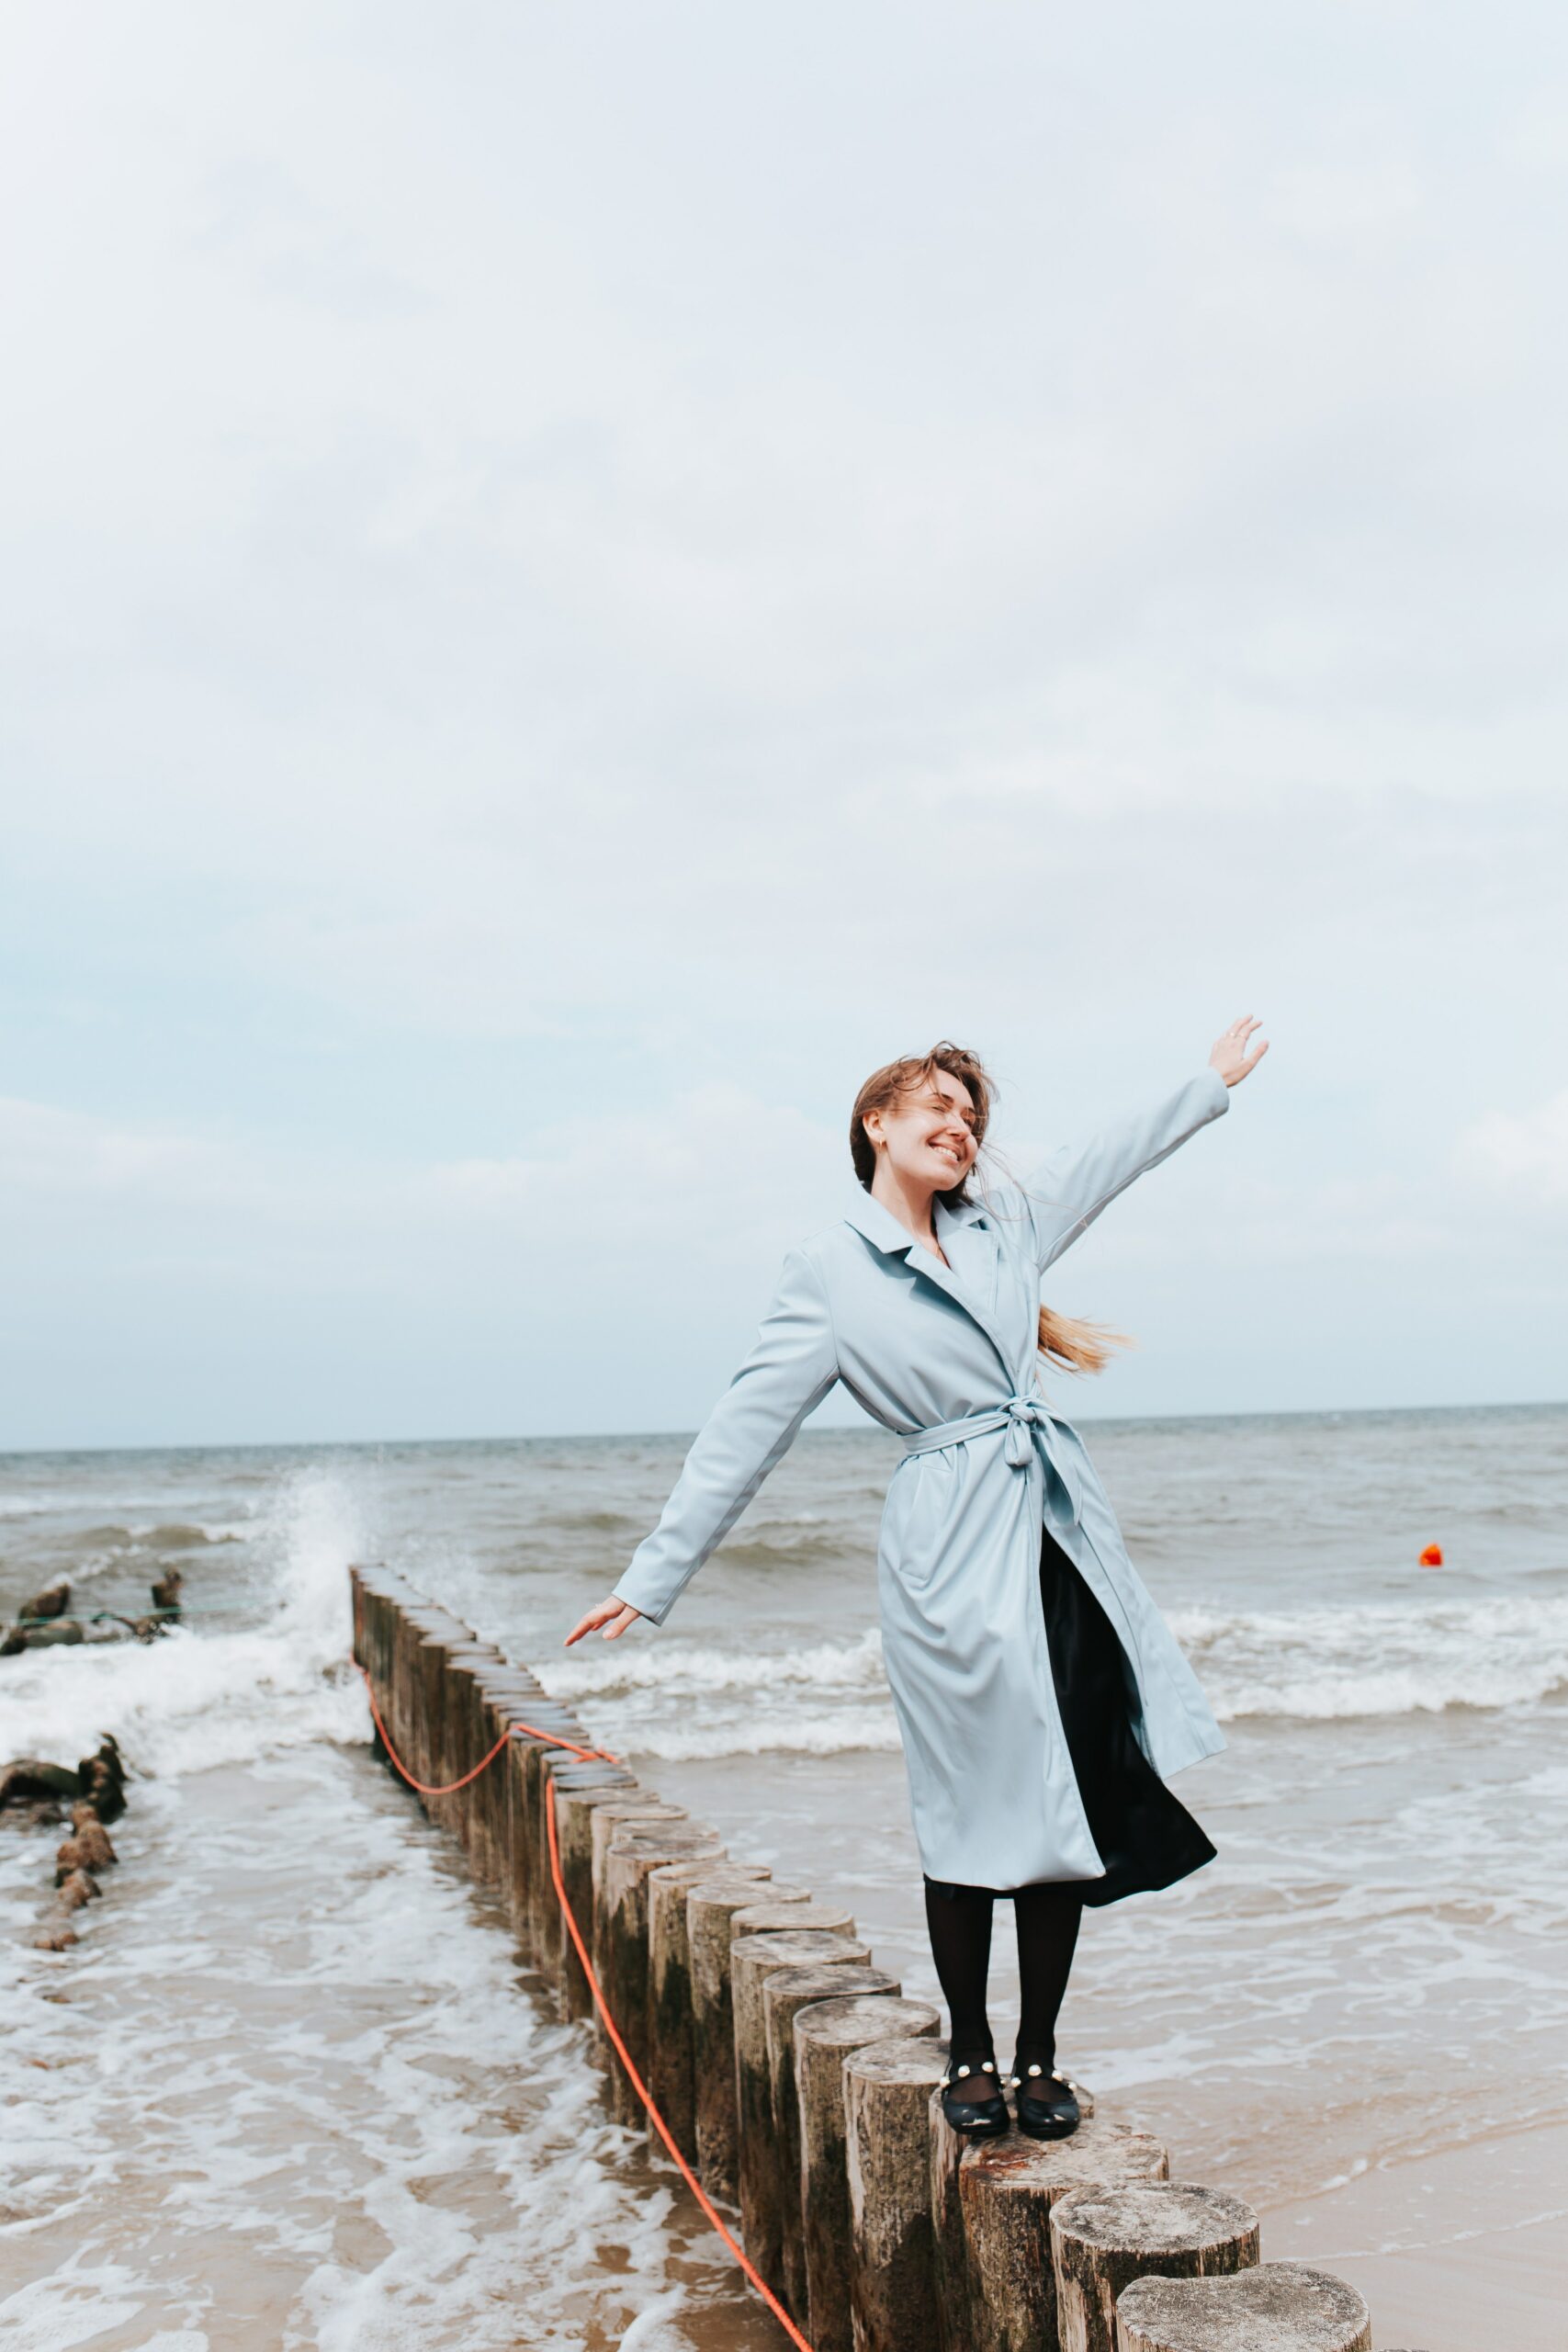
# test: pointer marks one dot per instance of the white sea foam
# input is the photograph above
(1316, 1665)
(296, 2096)
(655, 1665)
(201, 1697)
(685, 1739)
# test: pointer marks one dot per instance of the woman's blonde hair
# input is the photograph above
(1065, 1341)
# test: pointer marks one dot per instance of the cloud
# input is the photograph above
(577, 586)
(1520, 1157)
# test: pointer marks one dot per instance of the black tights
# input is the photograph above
(1048, 1918)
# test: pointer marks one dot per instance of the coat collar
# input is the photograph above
(882, 1228)
(965, 1234)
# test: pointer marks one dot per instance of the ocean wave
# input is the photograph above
(1375, 1659)
(1305, 1666)
(653, 1666)
(845, 1731)
(196, 1698)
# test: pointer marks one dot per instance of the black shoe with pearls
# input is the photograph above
(1047, 2108)
(972, 2098)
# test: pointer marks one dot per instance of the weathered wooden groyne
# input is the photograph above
(794, 2077)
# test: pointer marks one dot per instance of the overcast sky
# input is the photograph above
(575, 578)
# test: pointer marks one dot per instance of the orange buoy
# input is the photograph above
(1432, 1557)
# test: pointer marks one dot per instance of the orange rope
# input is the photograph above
(687, 2175)
(451, 1787)
(598, 1754)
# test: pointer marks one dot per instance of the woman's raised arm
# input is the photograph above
(1063, 1197)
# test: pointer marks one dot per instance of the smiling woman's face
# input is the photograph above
(926, 1138)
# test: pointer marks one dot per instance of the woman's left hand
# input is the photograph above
(611, 1616)
(1230, 1055)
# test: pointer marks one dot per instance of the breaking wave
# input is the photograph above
(680, 1700)
(197, 1697)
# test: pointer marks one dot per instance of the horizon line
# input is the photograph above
(864, 1428)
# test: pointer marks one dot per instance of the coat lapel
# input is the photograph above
(969, 1241)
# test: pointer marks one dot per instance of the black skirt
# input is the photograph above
(1146, 1837)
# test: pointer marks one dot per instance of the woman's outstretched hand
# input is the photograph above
(612, 1614)
(1230, 1055)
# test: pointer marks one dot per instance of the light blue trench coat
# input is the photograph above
(949, 1360)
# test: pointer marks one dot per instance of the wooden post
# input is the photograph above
(950, 2252)
(1277, 2307)
(535, 1901)
(649, 1812)
(824, 2034)
(546, 1762)
(419, 1683)
(669, 1986)
(420, 1696)
(575, 1809)
(1006, 2189)
(458, 1726)
(504, 1697)
(555, 1958)
(888, 2089)
(753, 1959)
(1101, 2239)
(628, 1862)
(709, 1910)
(758, 1937)
(785, 1993)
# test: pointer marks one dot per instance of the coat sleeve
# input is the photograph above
(789, 1370)
(1065, 1195)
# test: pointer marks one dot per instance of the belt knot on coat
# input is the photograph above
(1030, 1431)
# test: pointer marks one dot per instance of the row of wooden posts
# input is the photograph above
(795, 2078)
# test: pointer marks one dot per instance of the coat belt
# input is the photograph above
(1027, 1422)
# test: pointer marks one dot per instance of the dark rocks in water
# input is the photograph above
(35, 1813)
(141, 1629)
(78, 1887)
(166, 1592)
(53, 1601)
(58, 1630)
(100, 1778)
(28, 1778)
(87, 1849)
(56, 1940)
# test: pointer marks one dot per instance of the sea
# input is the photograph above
(294, 2088)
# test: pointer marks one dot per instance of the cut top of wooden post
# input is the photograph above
(607, 1819)
(849, 2020)
(897, 2058)
(720, 1891)
(700, 1870)
(759, 1955)
(1152, 2218)
(1097, 2155)
(787, 1991)
(1278, 2307)
(773, 1917)
(652, 1843)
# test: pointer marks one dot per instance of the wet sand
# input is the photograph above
(1457, 2251)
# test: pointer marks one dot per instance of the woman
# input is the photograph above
(1041, 1699)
